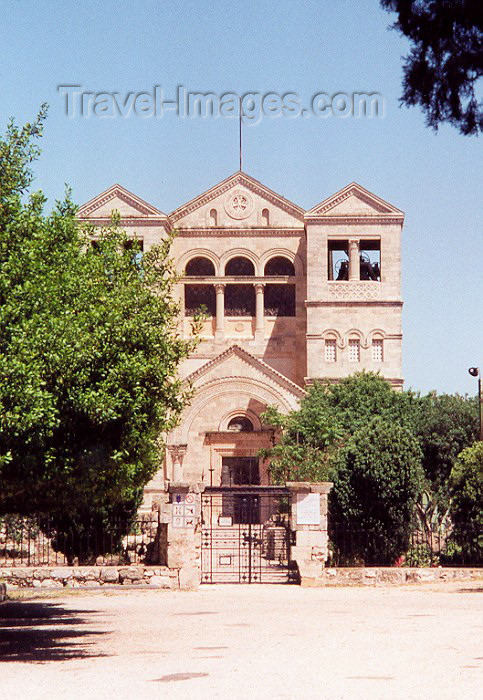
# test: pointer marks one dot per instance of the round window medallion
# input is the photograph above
(239, 204)
(239, 327)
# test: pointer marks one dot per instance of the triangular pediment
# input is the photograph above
(354, 200)
(238, 202)
(119, 199)
(236, 362)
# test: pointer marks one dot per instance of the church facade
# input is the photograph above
(292, 297)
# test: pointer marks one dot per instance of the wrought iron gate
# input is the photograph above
(246, 535)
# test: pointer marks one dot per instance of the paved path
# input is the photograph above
(245, 642)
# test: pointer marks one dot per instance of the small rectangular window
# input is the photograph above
(239, 300)
(354, 350)
(199, 297)
(330, 351)
(136, 244)
(377, 350)
(279, 300)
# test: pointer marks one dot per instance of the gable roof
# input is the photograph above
(238, 178)
(245, 356)
(375, 206)
(118, 192)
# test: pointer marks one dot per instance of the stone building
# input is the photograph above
(293, 296)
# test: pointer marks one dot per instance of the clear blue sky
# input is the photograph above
(285, 46)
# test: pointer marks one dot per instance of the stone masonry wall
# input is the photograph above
(90, 577)
(383, 576)
(169, 579)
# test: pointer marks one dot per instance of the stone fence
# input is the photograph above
(163, 578)
(173, 537)
(91, 577)
(383, 576)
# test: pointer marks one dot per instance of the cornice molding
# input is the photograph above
(237, 232)
(343, 339)
(251, 184)
(354, 190)
(117, 191)
(131, 222)
(356, 220)
(353, 303)
(309, 381)
(264, 368)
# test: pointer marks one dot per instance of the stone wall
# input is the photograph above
(383, 576)
(91, 577)
(172, 579)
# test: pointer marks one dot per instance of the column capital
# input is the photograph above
(220, 287)
(259, 287)
(177, 451)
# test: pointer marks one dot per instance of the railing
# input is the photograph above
(439, 547)
(33, 541)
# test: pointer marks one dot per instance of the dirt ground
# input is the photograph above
(245, 642)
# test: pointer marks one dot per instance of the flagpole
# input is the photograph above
(240, 134)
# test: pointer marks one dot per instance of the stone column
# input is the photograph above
(260, 310)
(220, 310)
(354, 266)
(309, 521)
(177, 453)
(182, 309)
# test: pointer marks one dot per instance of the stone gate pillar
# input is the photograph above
(182, 515)
(309, 522)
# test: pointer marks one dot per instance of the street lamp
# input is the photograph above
(475, 372)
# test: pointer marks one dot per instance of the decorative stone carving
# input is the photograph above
(177, 453)
(239, 204)
(355, 290)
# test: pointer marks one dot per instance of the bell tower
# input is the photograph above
(354, 300)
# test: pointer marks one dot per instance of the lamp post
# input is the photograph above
(475, 372)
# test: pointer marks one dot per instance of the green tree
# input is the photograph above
(355, 400)
(307, 439)
(467, 503)
(304, 440)
(88, 356)
(445, 61)
(445, 425)
(377, 479)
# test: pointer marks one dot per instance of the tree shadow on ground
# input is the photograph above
(39, 632)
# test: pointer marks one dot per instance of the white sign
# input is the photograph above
(308, 509)
(184, 510)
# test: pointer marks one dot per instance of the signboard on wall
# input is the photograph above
(308, 509)
(184, 510)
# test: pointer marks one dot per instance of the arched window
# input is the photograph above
(280, 267)
(200, 267)
(265, 217)
(213, 217)
(240, 424)
(239, 267)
